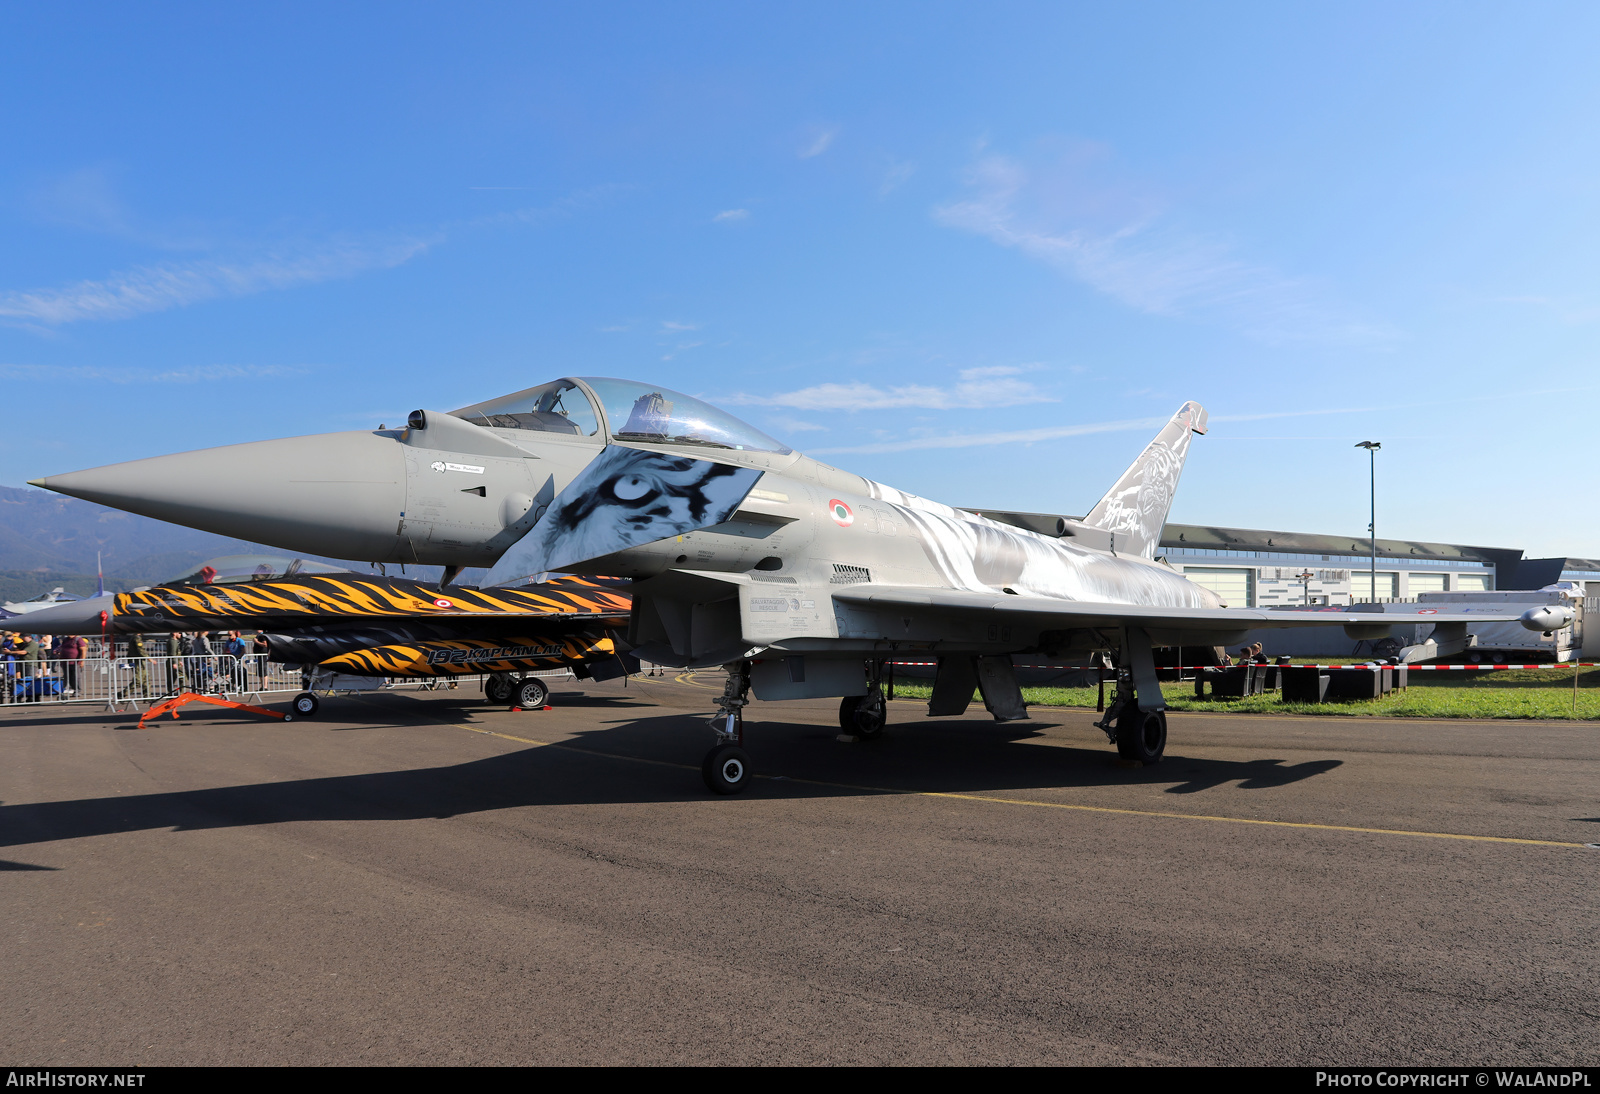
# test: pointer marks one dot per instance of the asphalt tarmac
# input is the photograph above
(418, 878)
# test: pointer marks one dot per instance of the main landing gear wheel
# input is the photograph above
(726, 769)
(497, 689)
(1142, 735)
(863, 715)
(305, 704)
(531, 694)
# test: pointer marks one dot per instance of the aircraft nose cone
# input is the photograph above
(335, 494)
(76, 617)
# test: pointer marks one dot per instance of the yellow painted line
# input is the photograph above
(1249, 820)
(1064, 805)
(571, 748)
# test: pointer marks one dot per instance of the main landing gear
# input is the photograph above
(1138, 727)
(864, 716)
(527, 692)
(726, 768)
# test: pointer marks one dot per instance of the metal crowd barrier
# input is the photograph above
(114, 681)
(117, 680)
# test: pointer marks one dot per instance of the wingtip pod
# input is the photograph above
(1135, 510)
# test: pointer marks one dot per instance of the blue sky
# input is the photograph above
(974, 251)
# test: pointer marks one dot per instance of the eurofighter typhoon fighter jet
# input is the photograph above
(800, 578)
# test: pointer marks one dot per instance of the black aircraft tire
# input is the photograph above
(1142, 735)
(531, 694)
(305, 704)
(726, 769)
(497, 689)
(863, 715)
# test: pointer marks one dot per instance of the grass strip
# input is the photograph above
(1543, 694)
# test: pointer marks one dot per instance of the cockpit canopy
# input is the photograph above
(634, 412)
(558, 407)
(233, 569)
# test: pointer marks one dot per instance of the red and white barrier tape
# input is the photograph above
(1413, 668)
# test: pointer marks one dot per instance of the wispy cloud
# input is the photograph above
(195, 375)
(1053, 433)
(994, 386)
(896, 176)
(559, 209)
(88, 199)
(797, 425)
(1125, 246)
(818, 141)
(681, 347)
(158, 288)
(730, 214)
(669, 324)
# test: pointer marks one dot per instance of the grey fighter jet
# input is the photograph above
(802, 579)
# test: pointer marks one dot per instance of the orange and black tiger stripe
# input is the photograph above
(356, 597)
(468, 656)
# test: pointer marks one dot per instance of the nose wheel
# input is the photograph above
(726, 769)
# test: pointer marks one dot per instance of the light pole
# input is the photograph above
(1372, 528)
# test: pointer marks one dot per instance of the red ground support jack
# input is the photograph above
(190, 697)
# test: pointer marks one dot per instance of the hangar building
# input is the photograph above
(1250, 568)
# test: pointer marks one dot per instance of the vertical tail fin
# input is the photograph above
(1135, 509)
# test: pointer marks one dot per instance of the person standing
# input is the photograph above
(31, 667)
(178, 663)
(204, 662)
(72, 652)
(10, 650)
(139, 680)
(237, 670)
(261, 648)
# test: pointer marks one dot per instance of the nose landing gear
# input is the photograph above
(726, 768)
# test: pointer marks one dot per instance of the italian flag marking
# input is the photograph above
(841, 514)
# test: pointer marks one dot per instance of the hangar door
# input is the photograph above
(1236, 587)
(1361, 585)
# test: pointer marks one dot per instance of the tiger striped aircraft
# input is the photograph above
(363, 625)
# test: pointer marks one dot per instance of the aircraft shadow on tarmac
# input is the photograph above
(629, 759)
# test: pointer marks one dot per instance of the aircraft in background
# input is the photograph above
(40, 602)
(802, 579)
(334, 621)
